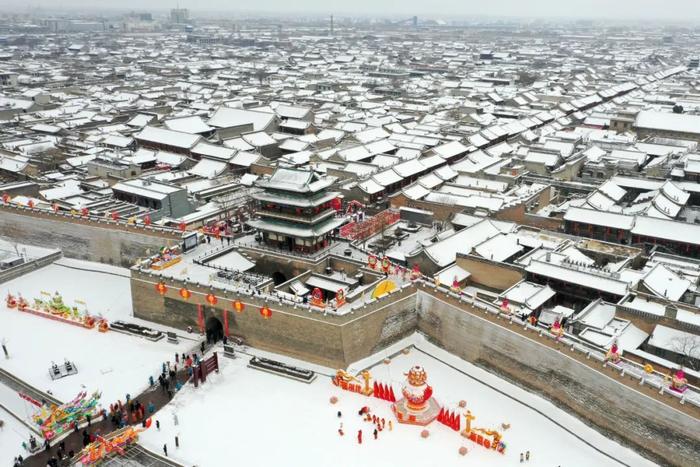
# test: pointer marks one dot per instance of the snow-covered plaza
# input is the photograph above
(114, 363)
(266, 419)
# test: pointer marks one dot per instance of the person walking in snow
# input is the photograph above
(158, 427)
(527, 456)
(359, 437)
(521, 457)
(375, 433)
(165, 450)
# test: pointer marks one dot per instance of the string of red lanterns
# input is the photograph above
(238, 306)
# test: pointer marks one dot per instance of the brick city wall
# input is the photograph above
(658, 430)
(626, 411)
(105, 242)
(334, 341)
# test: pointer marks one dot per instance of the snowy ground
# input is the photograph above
(11, 436)
(262, 419)
(111, 362)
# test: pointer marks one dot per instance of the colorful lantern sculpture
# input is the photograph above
(372, 261)
(238, 306)
(266, 312)
(184, 293)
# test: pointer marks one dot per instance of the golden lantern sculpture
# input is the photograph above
(211, 299)
(161, 288)
(238, 306)
(184, 293)
(266, 312)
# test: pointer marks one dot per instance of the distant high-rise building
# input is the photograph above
(179, 15)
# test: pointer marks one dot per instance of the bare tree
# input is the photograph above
(688, 347)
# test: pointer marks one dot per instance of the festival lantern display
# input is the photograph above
(211, 299)
(182, 226)
(184, 293)
(238, 306)
(84, 212)
(54, 206)
(115, 216)
(5, 198)
(265, 312)
(147, 220)
(455, 285)
(317, 297)
(340, 298)
(505, 305)
(30, 203)
(161, 288)
(415, 272)
(372, 261)
(386, 264)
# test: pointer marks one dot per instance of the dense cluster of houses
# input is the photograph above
(545, 170)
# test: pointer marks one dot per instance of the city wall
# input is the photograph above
(658, 430)
(635, 415)
(104, 241)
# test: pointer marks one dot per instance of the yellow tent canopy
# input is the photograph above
(383, 287)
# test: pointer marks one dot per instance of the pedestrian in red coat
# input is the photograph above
(359, 437)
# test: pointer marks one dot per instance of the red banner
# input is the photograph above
(29, 399)
(225, 322)
(200, 318)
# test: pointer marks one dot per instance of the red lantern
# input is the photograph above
(84, 212)
(182, 226)
(184, 293)
(238, 306)
(147, 220)
(30, 203)
(5, 198)
(161, 287)
(266, 312)
(115, 216)
(211, 299)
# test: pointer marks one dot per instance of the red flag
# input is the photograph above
(382, 392)
(225, 322)
(392, 397)
(200, 318)
(375, 389)
(457, 422)
(441, 415)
